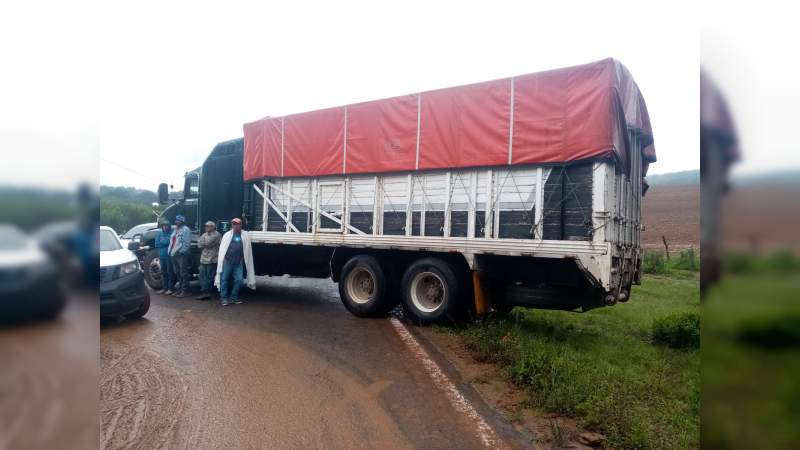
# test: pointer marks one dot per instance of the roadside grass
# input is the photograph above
(656, 262)
(751, 359)
(605, 367)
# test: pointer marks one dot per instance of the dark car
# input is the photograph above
(122, 289)
(29, 282)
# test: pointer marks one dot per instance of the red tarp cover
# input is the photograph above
(558, 116)
(382, 135)
(465, 126)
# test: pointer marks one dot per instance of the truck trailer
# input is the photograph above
(523, 191)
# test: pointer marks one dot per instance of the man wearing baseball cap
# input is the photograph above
(162, 243)
(209, 247)
(179, 248)
(235, 257)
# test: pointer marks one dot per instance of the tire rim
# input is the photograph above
(155, 270)
(427, 291)
(361, 285)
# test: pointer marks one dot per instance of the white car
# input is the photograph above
(135, 234)
(122, 289)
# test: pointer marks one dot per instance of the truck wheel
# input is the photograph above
(363, 287)
(152, 270)
(430, 291)
(142, 309)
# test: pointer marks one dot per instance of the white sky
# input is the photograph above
(169, 80)
(750, 53)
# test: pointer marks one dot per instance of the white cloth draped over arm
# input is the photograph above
(247, 249)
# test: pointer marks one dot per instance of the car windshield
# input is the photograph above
(108, 241)
(138, 229)
(11, 238)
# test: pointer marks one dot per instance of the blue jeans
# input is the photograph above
(167, 274)
(226, 291)
(207, 274)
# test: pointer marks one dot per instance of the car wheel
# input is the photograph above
(143, 308)
(152, 270)
(54, 309)
(430, 291)
(363, 287)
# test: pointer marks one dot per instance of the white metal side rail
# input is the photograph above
(467, 190)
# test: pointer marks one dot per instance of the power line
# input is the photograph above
(129, 169)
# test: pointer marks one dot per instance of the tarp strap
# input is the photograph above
(511, 123)
(282, 120)
(419, 124)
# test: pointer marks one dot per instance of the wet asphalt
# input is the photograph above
(48, 379)
(289, 368)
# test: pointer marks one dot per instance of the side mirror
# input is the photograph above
(133, 246)
(163, 193)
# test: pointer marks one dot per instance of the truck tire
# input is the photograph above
(363, 287)
(152, 270)
(430, 291)
(139, 313)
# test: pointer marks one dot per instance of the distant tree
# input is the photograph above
(128, 194)
(121, 215)
(30, 208)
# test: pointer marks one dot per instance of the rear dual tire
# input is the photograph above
(431, 292)
(365, 287)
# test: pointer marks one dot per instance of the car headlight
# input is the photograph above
(128, 268)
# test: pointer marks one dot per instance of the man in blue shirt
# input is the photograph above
(235, 257)
(162, 244)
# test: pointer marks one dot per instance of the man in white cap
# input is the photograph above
(235, 257)
(208, 243)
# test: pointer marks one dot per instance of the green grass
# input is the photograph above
(751, 361)
(656, 262)
(779, 262)
(603, 367)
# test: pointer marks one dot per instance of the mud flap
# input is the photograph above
(483, 304)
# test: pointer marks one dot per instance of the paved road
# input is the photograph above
(289, 368)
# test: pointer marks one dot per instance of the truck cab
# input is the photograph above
(212, 191)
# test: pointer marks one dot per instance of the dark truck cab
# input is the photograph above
(213, 191)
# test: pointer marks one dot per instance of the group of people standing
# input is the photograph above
(224, 260)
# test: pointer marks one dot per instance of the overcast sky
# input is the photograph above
(155, 85)
(749, 53)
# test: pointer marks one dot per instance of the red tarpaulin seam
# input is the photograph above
(344, 143)
(511, 124)
(282, 119)
(419, 116)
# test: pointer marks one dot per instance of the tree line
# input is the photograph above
(122, 208)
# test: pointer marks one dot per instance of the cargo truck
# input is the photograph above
(524, 191)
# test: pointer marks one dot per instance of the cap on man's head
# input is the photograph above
(164, 222)
(237, 220)
(180, 218)
(210, 223)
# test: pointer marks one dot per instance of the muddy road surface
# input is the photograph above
(48, 379)
(289, 368)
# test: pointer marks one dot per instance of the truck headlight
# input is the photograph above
(128, 268)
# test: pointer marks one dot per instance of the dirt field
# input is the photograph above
(762, 218)
(673, 212)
